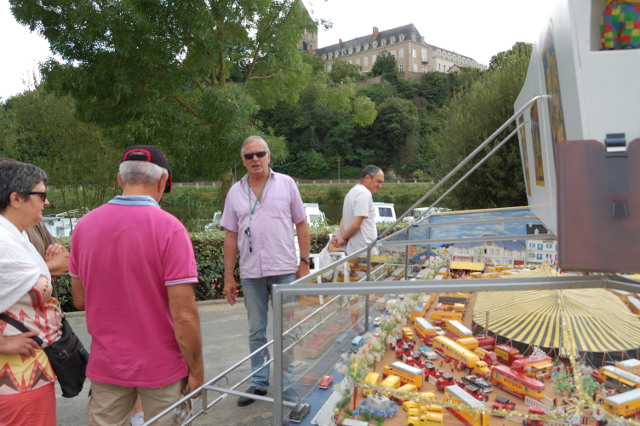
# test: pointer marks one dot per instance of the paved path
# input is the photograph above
(224, 335)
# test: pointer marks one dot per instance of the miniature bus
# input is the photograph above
(631, 365)
(516, 383)
(463, 357)
(372, 378)
(618, 378)
(626, 404)
(407, 373)
(444, 316)
(391, 382)
(458, 395)
(424, 330)
(419, 310)
(458, 329)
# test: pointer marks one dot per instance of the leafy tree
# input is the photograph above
(385, 65)
(393, 138)
(342, 71)
(172, 73)
(470, 118)
(42, 129)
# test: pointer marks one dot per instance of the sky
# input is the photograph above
(478, 29)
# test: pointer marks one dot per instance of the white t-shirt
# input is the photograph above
(359, 202)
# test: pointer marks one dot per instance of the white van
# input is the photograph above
(385, 212)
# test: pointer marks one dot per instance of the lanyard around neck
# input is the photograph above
(259, 195)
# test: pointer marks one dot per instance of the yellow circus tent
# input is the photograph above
(586, 320)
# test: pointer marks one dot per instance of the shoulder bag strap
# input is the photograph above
(17, 324)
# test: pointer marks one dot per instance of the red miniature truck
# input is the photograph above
(507, 354)
(475, 392)
(402, 350)
(486, 355)
(445, 380)
(430, 370)
(502, 403)
(536, 411)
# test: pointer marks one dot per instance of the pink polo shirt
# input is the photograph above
(126, 253)
(271, 241)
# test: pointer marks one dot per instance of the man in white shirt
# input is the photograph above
(358, 224)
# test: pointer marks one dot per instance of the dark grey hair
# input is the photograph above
(370, 171)
(141, 172)
(252, 139)
(18, 177)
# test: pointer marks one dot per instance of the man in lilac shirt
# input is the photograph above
(258, 217)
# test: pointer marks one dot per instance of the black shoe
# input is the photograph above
(243, 401)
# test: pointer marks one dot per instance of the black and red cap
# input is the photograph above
(151, 154)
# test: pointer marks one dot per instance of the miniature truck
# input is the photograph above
(445, 380)
(507, 354)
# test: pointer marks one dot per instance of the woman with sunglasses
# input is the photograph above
(27, 394)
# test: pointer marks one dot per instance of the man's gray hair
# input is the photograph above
(18, 177)
(252, 139)
(141, 172)
(370, 171)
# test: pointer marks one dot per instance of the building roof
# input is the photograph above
(406, 30)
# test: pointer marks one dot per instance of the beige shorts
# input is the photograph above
(112, 404)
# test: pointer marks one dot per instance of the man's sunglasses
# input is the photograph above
(249, 156)
(42, 195)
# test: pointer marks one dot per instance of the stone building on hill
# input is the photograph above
(412, 53)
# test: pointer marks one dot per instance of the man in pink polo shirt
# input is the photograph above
(259, 215)
(132, 269)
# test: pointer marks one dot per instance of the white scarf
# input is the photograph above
(20, 264)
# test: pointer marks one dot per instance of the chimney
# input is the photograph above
(375, 33)
(339, 44)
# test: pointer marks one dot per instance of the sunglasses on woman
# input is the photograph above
(42, 194)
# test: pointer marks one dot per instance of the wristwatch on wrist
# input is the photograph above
(306, 260)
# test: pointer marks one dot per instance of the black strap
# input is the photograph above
(17, 324)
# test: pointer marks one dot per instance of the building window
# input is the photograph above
(424, 68)
(438, 66)
(540, 246)
(373, 59)
(401, 67)
(350, 62)
(358, 48)
(415, 67)
(350, 50)
(366, 61)
(324, 57)
(384, 41)
(393, 39)
(357, 61)
(424, 54)
(413, 53)
(330, 55)
(539, 256)
(366, 46)
(375, 44)
(401, 52)
(393, 53)
(401, 38)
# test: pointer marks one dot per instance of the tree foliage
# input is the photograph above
(155, 71)
(474, 115)
(385, 65)
(42, 129)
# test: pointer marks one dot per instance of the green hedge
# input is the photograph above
(209, 248)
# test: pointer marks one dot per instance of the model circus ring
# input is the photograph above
(598, 320)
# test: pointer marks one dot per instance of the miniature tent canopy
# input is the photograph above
(598, 321)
